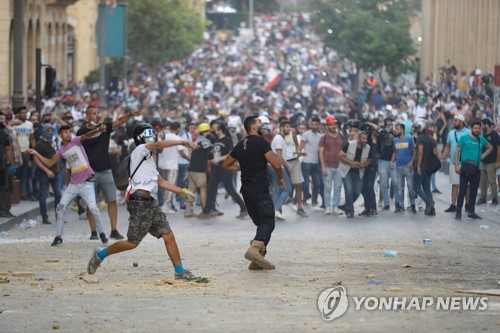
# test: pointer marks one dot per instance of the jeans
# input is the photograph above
(165, 197)
(368, 188)
(87, 192)
(280, 196)
(216, 176)
(182, 181)
(352, 188)
(260, 209)
(56, 183)
(386, 174)
(332, 180)
(403, 173)
(423, 186)
(311, 170)
(24, 175)
(472, 181)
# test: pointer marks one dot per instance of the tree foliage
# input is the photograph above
(372, 33)
(162, 30)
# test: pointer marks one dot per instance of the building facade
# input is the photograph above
(464, 33)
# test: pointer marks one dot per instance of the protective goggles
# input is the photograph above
(148, 133)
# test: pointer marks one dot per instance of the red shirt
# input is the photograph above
(332, 147)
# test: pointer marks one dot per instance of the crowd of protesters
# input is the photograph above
(331, 126)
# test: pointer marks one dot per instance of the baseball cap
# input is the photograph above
(459, 117)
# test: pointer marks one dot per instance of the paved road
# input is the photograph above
(310, 254)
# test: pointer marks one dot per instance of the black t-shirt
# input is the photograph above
(222, 147)
(45, 149)
(428, 144)
(97, 148)
(199, 156)
(494, 139)
(357, 156)
(250, 154)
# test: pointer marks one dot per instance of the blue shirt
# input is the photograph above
(403, 148)
(452, 141)
(471, 148)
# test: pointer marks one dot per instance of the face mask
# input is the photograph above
(263, 128)
(46, 134)
(95, 123)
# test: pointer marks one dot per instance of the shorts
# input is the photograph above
(104, 182)
(146, 217)
(454, 178)
(196, 180)
(295, 172)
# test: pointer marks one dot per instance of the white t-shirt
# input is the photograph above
(279, 143)
(420, 112)
(167, 159)
(311, 147)
(23, 132)
(146, 177)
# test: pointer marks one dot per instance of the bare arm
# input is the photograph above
(321, 150)
(281, 159)
(169, 143)
(123, 119)
(47, 162)
(446, 152)
(168, 186)
(184, 155)
(42, 167)
(489, 149)
(32, 140)
(93, 132)
(230, 164)
(457, 152)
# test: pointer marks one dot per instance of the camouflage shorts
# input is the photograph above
(146, 216)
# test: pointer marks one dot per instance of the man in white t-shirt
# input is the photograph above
(168, 166)
(145, 213)
(310, 163)
(26, 138)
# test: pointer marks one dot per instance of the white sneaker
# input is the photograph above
(294, 207)
(167, 210)
(316, 208)
(279, 216)
(337, 211)
(328, 211)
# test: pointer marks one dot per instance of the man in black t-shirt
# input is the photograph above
(222, 145)
(252, 154)
(6, 158)
(197, 169)
(97, 149)
(422, 180)
(490, 164)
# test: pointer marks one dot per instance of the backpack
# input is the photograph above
(122, 174)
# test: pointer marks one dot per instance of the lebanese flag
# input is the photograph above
(272, 78)
(330, 87)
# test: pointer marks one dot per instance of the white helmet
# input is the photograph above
(264, 120)
(420, 125)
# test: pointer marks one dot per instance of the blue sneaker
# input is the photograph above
(102, 235)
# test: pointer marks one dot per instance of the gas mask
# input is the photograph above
(263, 128)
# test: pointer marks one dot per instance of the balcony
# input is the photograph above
(63, 3)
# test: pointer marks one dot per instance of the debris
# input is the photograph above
(90, 279)
(427, 241)
(4, 280)
(395, 289)
(4, 273)
(39, 279)
(201, 282)
(370, 276)
(337, 283)
(484, 226)
(52, 260)
(56, 326)
(313, 280)
(135, 264)
(390, 253)
(375, 282)
(22, 274)
(406, 266)
(27, 223)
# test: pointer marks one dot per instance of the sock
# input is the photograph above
(103, 253)
(179, 269)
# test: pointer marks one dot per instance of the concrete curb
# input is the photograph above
(31, 213)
